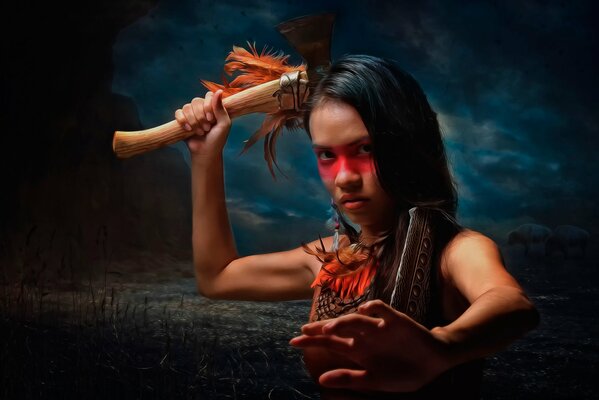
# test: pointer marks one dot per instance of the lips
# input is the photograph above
(353, 202)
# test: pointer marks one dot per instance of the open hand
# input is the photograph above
(395, 353)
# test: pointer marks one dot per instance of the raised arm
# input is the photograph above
(220, 273)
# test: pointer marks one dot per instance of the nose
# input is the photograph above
(347, 175)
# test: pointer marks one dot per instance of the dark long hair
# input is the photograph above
(408, 150)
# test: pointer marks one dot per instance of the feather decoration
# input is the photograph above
(254, 69)
(348, 271)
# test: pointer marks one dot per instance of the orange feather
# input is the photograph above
(347, 271)
(255, 69)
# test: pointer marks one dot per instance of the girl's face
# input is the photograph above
(344, 154)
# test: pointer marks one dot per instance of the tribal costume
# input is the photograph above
(334, 297)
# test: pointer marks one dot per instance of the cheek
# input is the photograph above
(327, 171)
(363, 164)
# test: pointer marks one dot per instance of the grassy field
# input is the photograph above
(148, 335)
(107, 344)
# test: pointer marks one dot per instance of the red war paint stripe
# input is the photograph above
(351, 157)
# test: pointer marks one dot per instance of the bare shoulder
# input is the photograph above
(473, 264)
(467, 243)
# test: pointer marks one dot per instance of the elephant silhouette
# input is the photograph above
(571, 241)
(531, 236)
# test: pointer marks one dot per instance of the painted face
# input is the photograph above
(343, 150)
(355, 156)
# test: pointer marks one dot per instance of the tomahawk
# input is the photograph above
(310, 36)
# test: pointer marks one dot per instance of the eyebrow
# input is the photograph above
(360, 140)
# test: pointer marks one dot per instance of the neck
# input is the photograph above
(369, 234)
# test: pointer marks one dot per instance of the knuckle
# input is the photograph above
(198, 109)
(349, 321)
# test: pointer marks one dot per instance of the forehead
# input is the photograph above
(335, 123)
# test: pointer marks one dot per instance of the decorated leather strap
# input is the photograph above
(412, 283)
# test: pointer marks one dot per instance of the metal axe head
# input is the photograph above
(311, 37)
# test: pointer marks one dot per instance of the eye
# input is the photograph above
(365, 148)
(325, 155)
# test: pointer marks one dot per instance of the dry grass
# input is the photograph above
(77, 332)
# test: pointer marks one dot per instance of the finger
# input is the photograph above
(315, 328)
(180, 117)
(218, 108)
(208, 107)
(330, 342)
(347, 379)
(197, 105)
(190, 116)
(378, 309)
(355, 327)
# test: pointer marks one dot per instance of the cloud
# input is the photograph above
(512, 82)
(241, 214)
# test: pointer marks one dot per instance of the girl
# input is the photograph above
(380, 153)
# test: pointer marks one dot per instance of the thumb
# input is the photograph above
(217, 106)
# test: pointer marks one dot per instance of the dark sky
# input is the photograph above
(514, 85)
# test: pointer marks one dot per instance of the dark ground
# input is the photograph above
(150, 337)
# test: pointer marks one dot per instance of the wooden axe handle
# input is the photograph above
(259, 98)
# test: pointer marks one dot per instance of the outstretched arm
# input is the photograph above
(397, 354)
(499, 311)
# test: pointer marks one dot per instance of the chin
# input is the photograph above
(356, 221)
(358, 218)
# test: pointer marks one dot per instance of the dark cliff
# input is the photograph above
(64, 191)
